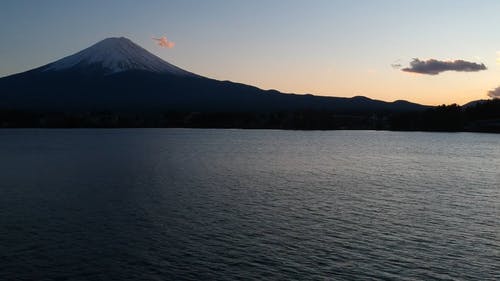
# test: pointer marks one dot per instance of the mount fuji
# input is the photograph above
(117, 75)
(114, 55)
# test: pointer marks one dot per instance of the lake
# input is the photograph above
(183, 204)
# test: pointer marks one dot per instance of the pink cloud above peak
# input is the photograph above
(164, 42)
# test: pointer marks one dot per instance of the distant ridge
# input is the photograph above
(474, 103)
(117, 75)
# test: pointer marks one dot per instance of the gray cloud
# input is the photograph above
(494, 93)
(434, 67)
(396, 65)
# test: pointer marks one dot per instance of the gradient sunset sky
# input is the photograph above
(323, 47)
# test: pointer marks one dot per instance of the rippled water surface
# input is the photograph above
(180, 204)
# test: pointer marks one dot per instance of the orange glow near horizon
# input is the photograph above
(387, 84)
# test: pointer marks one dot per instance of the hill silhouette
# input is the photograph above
(116, 83)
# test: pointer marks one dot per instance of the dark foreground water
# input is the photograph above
(262, 205)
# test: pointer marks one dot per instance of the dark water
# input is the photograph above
(232, 204)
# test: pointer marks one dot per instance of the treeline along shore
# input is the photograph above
(481, 117)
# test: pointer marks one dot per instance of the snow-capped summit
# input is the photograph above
(113, 55)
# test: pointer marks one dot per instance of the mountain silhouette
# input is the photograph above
(118, 75)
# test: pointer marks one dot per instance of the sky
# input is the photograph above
(427, 51)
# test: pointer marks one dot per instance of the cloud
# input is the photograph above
(494, 93)
(164, 42)
(397, 64)
(434, 67)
